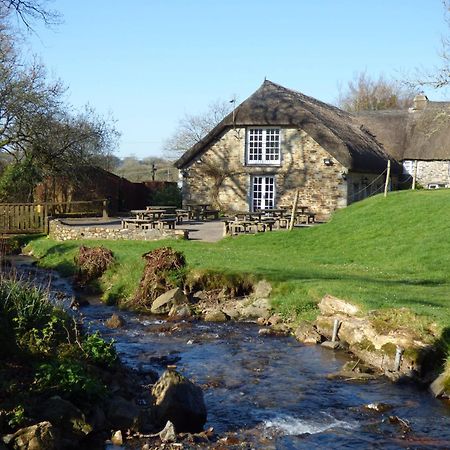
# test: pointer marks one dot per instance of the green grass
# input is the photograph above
(379, 253)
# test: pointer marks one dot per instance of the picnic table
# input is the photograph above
(201, 211)
(167, 208)
(150, 218)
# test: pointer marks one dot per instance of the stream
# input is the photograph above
(270, 391)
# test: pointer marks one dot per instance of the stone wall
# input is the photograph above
(433, 172)
(222, 178)
(63, 232)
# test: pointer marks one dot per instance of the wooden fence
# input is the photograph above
(28, 218)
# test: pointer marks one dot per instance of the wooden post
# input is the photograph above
(294, 210)
(105, 209)
(414, 175)
(388, 176)
(45, 220)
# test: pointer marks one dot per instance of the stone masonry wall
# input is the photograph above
(222, 178)
(436, 172)
(63, 232)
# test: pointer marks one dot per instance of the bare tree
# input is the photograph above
(439, 76)
(191, 128)
(40, 136)
(29, 11)
(364, 93)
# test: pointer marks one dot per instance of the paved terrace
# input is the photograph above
(210, 231)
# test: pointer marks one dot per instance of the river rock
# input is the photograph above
(262, 289)
(180, 311)
(42, 436)
(437, 387)
(215, 316)
(259, 308)
(164, 302)
(168, 433)
(179, 400)
(117, 438)
(307, 333)
(122, 414)
(66, 416)
(330, 306)
(115, 321)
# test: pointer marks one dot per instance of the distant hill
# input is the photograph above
(137, 170)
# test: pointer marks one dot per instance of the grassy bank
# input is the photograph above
(379, 253)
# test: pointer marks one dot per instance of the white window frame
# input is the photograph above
(267, 192)
(265, 149)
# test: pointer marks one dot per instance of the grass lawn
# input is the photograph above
(378, 253)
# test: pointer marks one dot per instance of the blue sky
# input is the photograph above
(150, 62)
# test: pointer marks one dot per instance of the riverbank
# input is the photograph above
(378, 254)
(276, 363)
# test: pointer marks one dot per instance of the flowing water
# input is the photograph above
(273, 391)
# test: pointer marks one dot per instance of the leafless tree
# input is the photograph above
(191, 128)
(439, 76)
(364, 93)
(29, 11)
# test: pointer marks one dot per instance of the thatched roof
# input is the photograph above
(335, 130)
(412, 134)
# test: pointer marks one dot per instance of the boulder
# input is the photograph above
(180, 311)
(262, 289)
(437, 387)
(330, 306)
(122, 414)
(115, 321)
(215, 316)
(179, 400)
(66, 416)
(42, 436)
(259, 308)
(164, 302)
(307, 333)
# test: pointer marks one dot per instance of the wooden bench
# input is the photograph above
(206, 213)
(306, 217)
(138, 223)
(167, 221)
(181, 215)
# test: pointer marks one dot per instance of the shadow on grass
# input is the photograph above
(316, 275)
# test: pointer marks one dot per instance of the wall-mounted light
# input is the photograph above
(344, 175)
(328, 161)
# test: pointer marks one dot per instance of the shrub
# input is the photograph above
(70, 379)
(98, 350)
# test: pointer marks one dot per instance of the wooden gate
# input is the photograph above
(23, 218)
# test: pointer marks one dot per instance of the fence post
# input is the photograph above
(294, 210)
(105, 209)
(388, 177)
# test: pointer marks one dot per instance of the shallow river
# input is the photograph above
(274, 391)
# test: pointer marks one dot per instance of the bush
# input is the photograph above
(98, 351)
(70, 379)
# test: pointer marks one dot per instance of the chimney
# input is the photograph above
(420, 102)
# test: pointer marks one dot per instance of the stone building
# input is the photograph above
(419, 137)
(278, 142)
